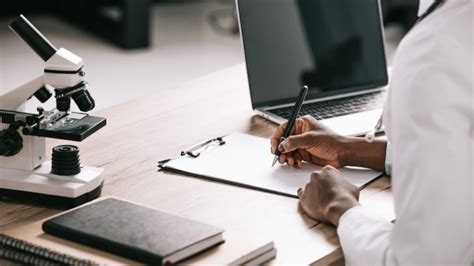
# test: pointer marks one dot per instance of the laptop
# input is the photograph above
(335, 47)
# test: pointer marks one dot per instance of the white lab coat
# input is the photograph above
(429, 120)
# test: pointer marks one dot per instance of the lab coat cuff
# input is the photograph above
(388, 160)
(364, 237)
(354, 218)
(347, 219)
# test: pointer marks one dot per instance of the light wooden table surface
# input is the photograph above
(143, 131)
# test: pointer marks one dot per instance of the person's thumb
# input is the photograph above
(292, 143)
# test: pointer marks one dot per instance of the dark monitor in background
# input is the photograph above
(333, 46)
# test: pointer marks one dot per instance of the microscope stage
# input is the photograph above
(75, 127)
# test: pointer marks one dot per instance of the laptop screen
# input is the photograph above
(333, 46)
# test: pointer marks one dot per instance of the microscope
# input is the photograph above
(25, 174)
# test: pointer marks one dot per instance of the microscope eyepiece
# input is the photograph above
(43, 94)
(33, 37)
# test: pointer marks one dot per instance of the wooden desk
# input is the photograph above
(141, 132)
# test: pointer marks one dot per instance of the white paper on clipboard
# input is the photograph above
(245, 161)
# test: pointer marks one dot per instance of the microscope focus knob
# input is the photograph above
(11, 141)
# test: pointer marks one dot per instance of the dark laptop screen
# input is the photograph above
(333, 46)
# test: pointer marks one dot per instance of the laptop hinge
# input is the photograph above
(322, 99)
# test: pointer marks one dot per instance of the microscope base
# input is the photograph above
(42, 187)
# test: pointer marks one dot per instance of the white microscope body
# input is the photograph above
(24, 171)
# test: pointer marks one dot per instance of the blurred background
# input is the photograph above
(133, 48)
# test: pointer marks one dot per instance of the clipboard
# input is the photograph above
(245, 161)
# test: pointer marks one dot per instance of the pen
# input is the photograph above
(291, 121)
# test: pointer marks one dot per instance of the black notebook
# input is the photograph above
(134, 231)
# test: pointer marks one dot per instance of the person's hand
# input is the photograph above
(328, 196)
(309, 141)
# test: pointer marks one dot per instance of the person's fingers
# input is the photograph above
(309, 119)
(298, 159)
(300, 193)
(282, 159)
(274, 145)
(276, 138)
(297, 129)
(289, 157)
(303, 141)
(290, 160)
(313, 124)
(329, 168)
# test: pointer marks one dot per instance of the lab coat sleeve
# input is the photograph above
(369, 232)
(365, 239)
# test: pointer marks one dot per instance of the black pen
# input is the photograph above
(291, 121)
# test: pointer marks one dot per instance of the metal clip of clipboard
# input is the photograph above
(199, 148)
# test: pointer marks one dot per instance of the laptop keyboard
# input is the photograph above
(337, 107)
